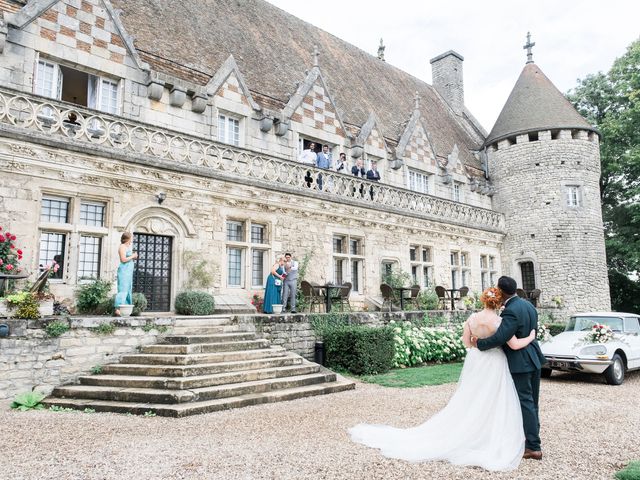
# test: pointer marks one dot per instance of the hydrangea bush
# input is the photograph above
(420, 344)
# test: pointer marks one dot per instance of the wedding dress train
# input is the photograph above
(481, 425)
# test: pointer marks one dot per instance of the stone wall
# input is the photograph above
(30, 359)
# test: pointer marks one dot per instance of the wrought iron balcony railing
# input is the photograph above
(89, 128)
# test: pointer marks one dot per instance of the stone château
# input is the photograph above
(182, 121)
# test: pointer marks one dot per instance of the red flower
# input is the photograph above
(1, 238)
(1, 262)
(19, 257)
(19, 252)
(13, 237)
(9, 267)
(8, 235)
(12, 246)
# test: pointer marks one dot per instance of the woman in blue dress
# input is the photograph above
(273, 291)
(125, 272)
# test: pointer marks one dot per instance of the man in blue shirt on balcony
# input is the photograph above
(324, 161)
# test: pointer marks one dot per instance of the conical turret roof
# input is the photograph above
(535, 104)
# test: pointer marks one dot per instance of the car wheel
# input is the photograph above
(545, 372)
(614, 375)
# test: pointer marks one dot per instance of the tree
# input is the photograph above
(611, 102)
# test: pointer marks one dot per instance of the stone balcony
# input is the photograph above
(37, 119)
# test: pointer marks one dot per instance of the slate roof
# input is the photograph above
(535, 104)
(191, 39)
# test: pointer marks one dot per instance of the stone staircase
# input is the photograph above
(204, 365)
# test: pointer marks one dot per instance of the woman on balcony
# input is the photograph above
(125, 272)
(273, 291)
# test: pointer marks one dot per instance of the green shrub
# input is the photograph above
(96, 370)
(397, 279)
(28, 401)
(91, 297)
(555, 328)
(105, 328)
(360, 350)
(139, 304)
(326, 322)
(192, 302)
(415, 344)
(28, 308)
(56, 328)
(428, 299)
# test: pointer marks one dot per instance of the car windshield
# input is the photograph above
(578, 323)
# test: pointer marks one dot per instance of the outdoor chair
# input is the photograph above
(463, 292)
(415, 291)
(442, 297)
(521, 293)
(388, 296)
(534, 295)
(343, 296)
(311, 295)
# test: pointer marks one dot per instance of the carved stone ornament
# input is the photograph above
(178, 97)
(357, 151)
(199, 103)
(265, 124)
(281, 128)
(155, 90)
(157, 226)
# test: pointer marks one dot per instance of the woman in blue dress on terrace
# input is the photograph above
(125, 272)
(273, 291)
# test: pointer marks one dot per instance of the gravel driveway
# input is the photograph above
(589, 430)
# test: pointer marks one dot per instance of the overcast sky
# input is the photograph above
(573, 38)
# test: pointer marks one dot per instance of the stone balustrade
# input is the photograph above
(89, 128)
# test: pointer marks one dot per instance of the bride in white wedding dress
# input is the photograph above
(482, 423)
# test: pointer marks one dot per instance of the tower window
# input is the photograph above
(533, 137)
(573, 196)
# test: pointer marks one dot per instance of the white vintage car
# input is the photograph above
(570, 352)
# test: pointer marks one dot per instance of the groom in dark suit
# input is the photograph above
(519, 317)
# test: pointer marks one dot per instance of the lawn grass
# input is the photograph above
(630, 472)
(417, 376)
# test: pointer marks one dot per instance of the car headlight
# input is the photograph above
(594, 350)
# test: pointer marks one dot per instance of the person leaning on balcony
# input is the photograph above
(341, 167)
(358, 171)
(308, 157)
(324, 161)
(374, 176)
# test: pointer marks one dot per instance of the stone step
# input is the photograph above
(201, 369)
(193, 339)
(203, 321)
(151, 395)
(194, 408)
(191, 359)
(206, 347)
(206, 330)
(198, 381)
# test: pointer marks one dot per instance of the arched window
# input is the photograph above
(528, 276)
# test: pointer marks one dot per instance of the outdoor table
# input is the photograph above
(327, 294)
(451, 293)
(402, 290)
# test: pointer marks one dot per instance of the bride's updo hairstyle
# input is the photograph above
(491, 298)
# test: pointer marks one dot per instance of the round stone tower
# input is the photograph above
(544, 163)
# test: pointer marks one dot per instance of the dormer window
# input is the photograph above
(74, 86)
(228, 130)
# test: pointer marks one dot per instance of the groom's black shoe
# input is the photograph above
(533, 454)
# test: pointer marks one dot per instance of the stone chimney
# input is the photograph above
(446, 74)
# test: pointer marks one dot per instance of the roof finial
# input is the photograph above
(381, 50)
(417, 100)
(528, 48)
(316, 54)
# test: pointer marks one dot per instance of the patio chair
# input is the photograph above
(463, 292)
(534, 296)
(311, 295)
(415, 291)
(521, 293)
(388, 296)
(343, 296)
(442, 297)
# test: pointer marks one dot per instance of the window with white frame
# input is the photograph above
(75, 86)
(421, 260)
(60, 240)
(348, 261)
(456, 192)
(460, 269)
(247, 253)
(228, 129)
(573, 195)
(419, 181)
(488, 272)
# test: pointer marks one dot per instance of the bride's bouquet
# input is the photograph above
(543, 333)
(599, 334)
